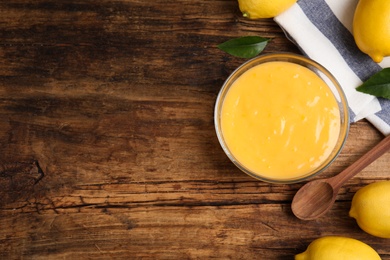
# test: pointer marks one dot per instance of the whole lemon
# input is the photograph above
(371, 208)
(371, 28)
(255, 9)
(333, 247)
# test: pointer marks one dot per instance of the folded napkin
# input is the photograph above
(322, 30)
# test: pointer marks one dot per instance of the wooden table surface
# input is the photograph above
(107, 142)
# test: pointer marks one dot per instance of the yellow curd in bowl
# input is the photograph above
(279, 121)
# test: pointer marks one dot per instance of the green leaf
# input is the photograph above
(378, 85)
(244, 47)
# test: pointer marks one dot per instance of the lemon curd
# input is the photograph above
(280, 120)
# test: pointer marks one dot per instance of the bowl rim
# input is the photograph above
(308, 63)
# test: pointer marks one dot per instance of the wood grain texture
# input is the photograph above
(114, 100)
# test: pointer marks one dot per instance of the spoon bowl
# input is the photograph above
(310, 196)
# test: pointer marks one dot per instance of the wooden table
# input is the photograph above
(107, 141)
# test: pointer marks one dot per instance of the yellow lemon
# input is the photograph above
(371, 208)
(371, 28)
(333, 247)
(255, 9)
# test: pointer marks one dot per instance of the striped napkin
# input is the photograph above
(322, 30)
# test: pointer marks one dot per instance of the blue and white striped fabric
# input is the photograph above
(322, 30)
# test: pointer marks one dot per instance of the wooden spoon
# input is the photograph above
(315, 198)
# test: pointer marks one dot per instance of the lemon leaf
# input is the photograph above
(378, 85)
(244, 47)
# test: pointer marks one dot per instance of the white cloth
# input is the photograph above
(322, 29)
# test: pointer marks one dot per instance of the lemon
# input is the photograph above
(333, 247)
(371, 28)
(371, 208)
(255, 9)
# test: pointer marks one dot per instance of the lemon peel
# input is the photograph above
(337, 247)
(371, 28)
(256, 9)
(371, 209)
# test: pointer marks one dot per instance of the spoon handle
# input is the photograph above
(378, 150)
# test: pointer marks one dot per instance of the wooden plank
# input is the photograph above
(114, 100)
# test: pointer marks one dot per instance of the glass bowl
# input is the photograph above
(229, 143)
